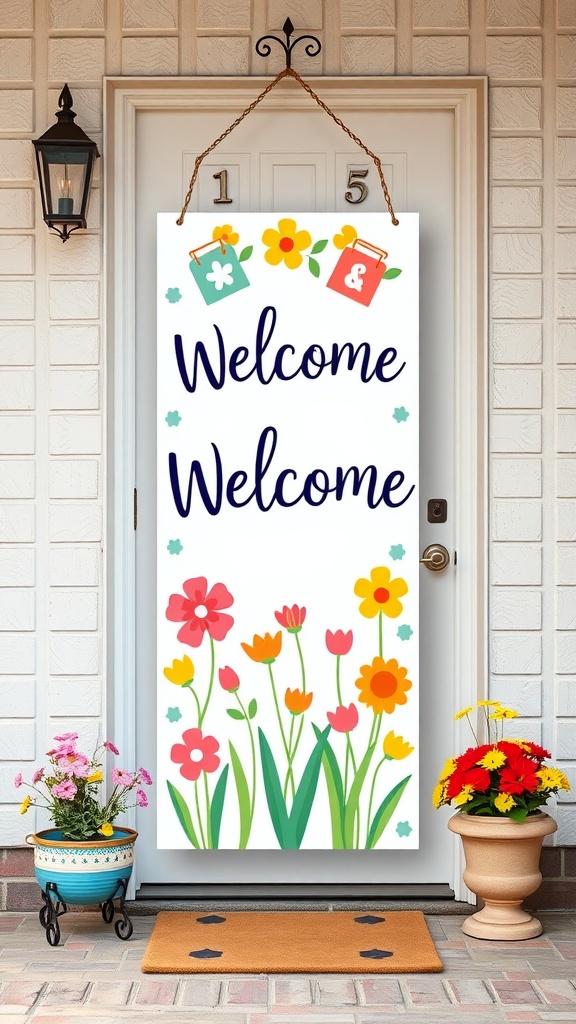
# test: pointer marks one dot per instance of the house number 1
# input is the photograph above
(222, 176)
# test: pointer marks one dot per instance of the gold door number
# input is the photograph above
(355, 181)
(222, 176)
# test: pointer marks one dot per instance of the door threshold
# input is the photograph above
(288, 893)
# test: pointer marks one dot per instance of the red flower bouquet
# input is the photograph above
(502, 777)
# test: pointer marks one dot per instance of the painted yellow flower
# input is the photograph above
(465, 794)
(285, 244)
(504, 803)
(462, 714)
(95, 777)
(438, 794)
(396, 748)
(502, 713)
(106, 829)
(181, 673)
(347, 235)
(226, 234)
(380, 593)
(488, 704)
(25, 804)
(552, 778)
(493, 759)
(448, 769)
(383, 685)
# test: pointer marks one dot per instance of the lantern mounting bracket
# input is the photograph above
(312, 49)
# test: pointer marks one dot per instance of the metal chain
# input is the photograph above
(288, 73)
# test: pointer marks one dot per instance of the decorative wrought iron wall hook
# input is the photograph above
(313, 48)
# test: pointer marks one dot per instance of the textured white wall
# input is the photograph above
(52, 434)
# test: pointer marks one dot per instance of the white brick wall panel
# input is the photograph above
(515, 433)
(566, 653)
(17, 567)
(17, 698)
(566, 158)
(565, 107)
(16, 389)
(516, 520)
(74, 389)
(525, 695)
(16, 254)
(73, 655)
(17, 610)
(77, 58)
(566, 252)
(566, 14)
(516, 342)
(16, 59)
(72, 610)
(75, 697)
(76, 345)
(517, 389)
(368, 55)
(516, 297)
(17, 110)
(514, 13)
(8, 792)
(566, 478)
(222, 13)
(566, 342)
(515, 109)
(17, 300)
(16, 14)
(75, 435)
(17, 345)
(516, 253)
(13, 826)
(566, 520)
(566, 432)
(565, 746)
(89, 730)
(566, 824)
(448, 14)
(516, 609)
(566, 389)
(16, 207)
(440, 55)
(74, 300)
(159, 56)
(75, 522)
(17, 740)
(74, 566)
(17, 435)
(517, 478)
(18, 655)
(17, 523)
(566, 608)
(516, 565)
(566, 698)
(308, 12)
(17, 478)
(73, 478)
(226, 55)
(524, 729)
(16, 160)
(566, 56)
(565, 565)
(514, 56)
(76, 14)
(516, 207)
(84, 258)
(568, 797)
(566, 205)
(517, 158)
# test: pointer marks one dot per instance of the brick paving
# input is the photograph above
(94, 978)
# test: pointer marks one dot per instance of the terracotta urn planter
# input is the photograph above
(503, 869)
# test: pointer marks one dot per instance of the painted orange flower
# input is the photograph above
(285, 244)
(297, 702)
(226, 234)
(380, 593)
(264, 649)
(383, 685)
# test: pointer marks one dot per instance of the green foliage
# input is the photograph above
(252, 708)
(335, 789)
(385, 812)
(391, 273)
(217, 806)
(235, 714)
(183, 813)
(290, 827)
(319, 246)
(246, 254)
(243, 798)
(313, 266)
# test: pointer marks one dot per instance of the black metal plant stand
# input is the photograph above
(54, 907)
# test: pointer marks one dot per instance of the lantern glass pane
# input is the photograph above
(67, 171)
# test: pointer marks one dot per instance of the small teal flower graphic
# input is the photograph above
(173, 295)
(173, 714)
(174, 547)
(404, 632)
(403, 828)
(173, 418)
(400, 415)
(397, 552)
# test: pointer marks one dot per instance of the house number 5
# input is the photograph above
(362, 189)
(222, 177)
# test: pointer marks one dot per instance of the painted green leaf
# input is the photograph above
(306, 791)
(181, 808)
(335, 789)
(274, 798)
(354, 798)
(314, 266)
(391, 273)
(385, 812)
(243, 798)
(235, 714)
(246, 254)
(217, 806)
(252, 708)
(319, 246)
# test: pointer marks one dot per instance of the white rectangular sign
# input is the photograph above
(288, 532)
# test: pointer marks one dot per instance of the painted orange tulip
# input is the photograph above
(297, 702)
(264, 649)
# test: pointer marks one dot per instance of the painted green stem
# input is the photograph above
(210, 684)
(202, 836)
(374, 734)
(372, 787)
(208, 814)
(349, 748)
(291, 753)
(301, 656)
(253, 754)
(278, 715)
(195, 695)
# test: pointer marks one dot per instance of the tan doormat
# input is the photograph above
(261, 942)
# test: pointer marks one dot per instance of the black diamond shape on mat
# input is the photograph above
(369, 919)
(205, 954)
(211, 919)
(375, 954)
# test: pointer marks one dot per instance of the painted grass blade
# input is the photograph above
(184, 817)
(217, 806)
(354, 798)
(243, 798)
(335, 789)
(385, 812)
(274, 798)
(306, 791)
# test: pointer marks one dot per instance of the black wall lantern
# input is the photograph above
(65, 157)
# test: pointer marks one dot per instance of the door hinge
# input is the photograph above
(135, 509)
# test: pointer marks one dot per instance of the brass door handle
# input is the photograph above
(435, 557)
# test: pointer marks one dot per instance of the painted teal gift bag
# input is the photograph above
(217, 273)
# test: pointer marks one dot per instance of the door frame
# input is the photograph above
(466, 97)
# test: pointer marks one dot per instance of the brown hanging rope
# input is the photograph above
(288, 73)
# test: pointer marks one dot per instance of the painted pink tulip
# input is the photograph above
(228, 679)
(339, 642)
(196, 754)
(200, 610)
(344, 719)
(291, 618)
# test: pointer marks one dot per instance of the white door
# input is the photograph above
(283, 158)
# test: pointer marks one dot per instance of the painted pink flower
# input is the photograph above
(121, 777)
(338, 642)
(38, 774)
(196, 754)
(74, 764)
(200, 611)
(228, 679)
(344, 719)
(145, 776)
(65, 790)
(291, 618)
(111, 747)
(72, 736)
(141, 798)
(18, 780)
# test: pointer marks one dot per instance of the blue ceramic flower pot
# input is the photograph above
(83, 872)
